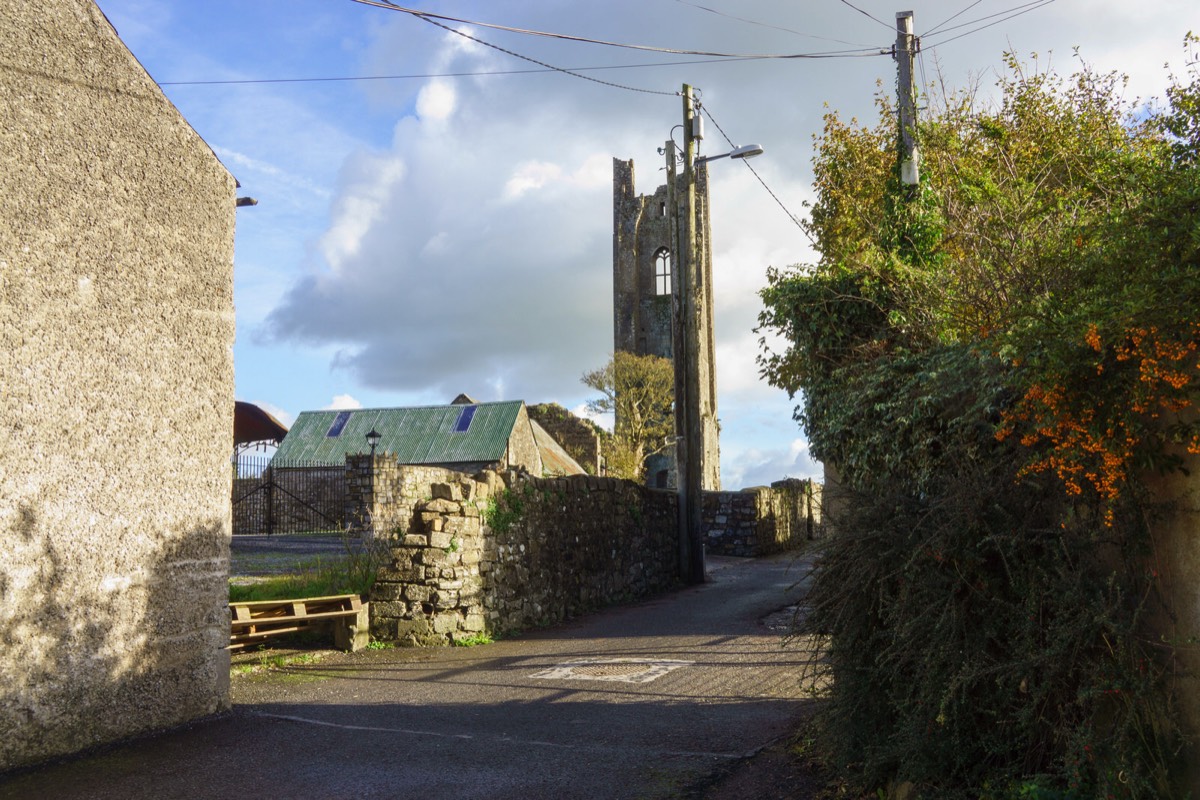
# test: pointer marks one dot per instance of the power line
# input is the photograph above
(430, 17)
(865, 14)
(937, 27)
(581, 76)
(720, 13)
(469, 74)
(754, 172)
(1012, 13)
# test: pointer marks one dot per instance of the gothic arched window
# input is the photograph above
(662, 271)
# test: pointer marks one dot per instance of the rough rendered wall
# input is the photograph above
(116, 393)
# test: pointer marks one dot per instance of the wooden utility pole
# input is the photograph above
(910, 154)
(679, 359)
(691, 314)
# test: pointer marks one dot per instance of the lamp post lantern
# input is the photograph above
(695, 397)
(373, 439)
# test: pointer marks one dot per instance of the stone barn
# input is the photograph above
(464, 436)
(116, 335)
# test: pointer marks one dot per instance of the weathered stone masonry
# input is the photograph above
(554, 548)
(761, 521)
(500, 552)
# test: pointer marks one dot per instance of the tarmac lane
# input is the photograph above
(641, 701)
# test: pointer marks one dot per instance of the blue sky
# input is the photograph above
(419, 237)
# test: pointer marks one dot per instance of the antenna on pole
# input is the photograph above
(910, 155)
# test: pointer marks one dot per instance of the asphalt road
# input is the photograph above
(643, 701)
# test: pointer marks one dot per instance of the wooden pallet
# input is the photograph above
(254, 621)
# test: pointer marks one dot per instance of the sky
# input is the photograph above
(446, 226)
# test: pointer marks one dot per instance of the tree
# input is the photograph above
(991, 361)
(639, 392)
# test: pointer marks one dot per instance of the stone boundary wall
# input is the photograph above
(495, 553)
(762, 521)
(387, 505)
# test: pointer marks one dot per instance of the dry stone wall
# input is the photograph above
(762, 521)
(495, 553)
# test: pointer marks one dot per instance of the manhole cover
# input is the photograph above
(626, 670)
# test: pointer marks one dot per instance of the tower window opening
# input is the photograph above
(662, 271)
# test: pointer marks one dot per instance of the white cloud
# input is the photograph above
(530, 176)
(285, 417)
(761, 467)
(342, 402)
(368, 185)
(436, 101)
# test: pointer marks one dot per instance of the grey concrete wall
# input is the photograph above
(116, 396)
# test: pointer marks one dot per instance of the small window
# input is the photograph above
(662, 271)
(662, 209)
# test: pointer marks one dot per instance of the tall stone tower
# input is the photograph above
(644, 285)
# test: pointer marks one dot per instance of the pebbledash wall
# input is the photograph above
(116, 393)
(499, 552)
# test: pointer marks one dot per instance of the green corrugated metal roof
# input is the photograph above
(424, 435)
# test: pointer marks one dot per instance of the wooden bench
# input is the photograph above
(254, 621)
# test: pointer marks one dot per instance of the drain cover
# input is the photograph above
(626, 670)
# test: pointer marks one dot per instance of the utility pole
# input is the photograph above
(679, 351)
(910, 155)
(690, 303)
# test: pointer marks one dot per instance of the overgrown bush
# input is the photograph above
(989, 361)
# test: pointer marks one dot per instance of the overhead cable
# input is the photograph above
(749, 166)
(938, 27)
(466, 35)
(466, 74)
(720, 13)
(1011, 13)
(431, 17)
(866, 14)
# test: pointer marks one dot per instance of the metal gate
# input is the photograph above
(288, 497)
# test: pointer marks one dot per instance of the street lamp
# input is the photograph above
(695, 410)
(373, 439)
(745, 151)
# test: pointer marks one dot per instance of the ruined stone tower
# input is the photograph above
(644, 281)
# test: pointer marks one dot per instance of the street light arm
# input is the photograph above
(745, 151)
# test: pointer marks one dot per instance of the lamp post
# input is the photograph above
(373, 439)
(692, 307)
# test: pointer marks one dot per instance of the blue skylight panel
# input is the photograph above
(339, 422)
(464, 419)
